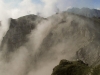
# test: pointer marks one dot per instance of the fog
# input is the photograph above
(57, 37)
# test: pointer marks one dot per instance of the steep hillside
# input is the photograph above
(18, 30)
(72, 37)
(34, 45)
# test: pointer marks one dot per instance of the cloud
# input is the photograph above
(45, 7)
(26, 7)
(98, 8)
(4, 15)
(49, 7)
(21, 57)
(15, 9)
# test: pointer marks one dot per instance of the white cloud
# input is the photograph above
(49, 7)
(20, 8)
(15, 9)
(25, 7)
(98, 8)
(46, 9)
(4, 15)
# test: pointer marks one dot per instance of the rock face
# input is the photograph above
(72, 37)
(35, 45)
(85, 12)
(18, 30)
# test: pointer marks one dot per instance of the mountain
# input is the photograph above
(85, 12)
(34, 45)
(18, 30)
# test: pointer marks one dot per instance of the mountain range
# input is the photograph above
(85, 12)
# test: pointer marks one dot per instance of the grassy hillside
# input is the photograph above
(75, 68)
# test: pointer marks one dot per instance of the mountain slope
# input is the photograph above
(34, 45)
(19, 29)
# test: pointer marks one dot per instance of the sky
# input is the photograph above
(45, 8)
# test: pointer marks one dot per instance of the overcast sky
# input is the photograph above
(17, 8)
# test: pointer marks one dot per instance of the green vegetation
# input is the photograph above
(96, 70)
(75, 68)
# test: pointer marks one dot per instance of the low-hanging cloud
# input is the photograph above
(22, 61)
(53, 39)
(44, 7)
(25, 7)
(15, 9)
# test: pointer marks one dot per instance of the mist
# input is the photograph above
(52, 40)
(59, 36)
